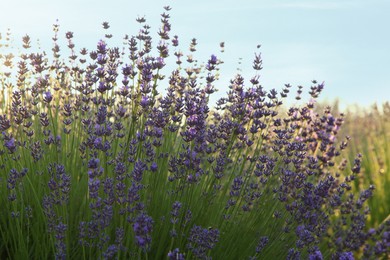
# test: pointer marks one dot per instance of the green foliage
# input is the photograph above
(369, 130)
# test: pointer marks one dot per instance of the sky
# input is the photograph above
(345, 43)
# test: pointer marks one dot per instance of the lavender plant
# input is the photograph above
(97, 163)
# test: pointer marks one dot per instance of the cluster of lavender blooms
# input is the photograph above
(97, 163)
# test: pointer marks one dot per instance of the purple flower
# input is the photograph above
(98, 143)
(69, 35)
(187, 217)
(60, 233)
(143, 227)
(175, 255)
(316, 255)
(10, 145)
(101, 115)
(262, 243)
(213, 60)
(110, 252)
(235, 189)
(304, 235)
(201, 240)
(144, 101)
(102, 85)
(93, 163)
(121, 111)
(4, 123)
(132, 194)
(293, 254)
(93, 185)
(159, 63)
(59, 184)
(175, 211)
(102, 47)
(13, 179)
(44, 119)
(120, 170)
(47, 97)
(109, 190)
(119, 235)
(153, 167)
(138, 170)
(357, 164)
(346, 256)
(211, 63)
(175, 41)
(100, 130)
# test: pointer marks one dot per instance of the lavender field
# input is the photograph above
(104, 155)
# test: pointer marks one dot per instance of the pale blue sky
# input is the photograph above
(345, 43)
